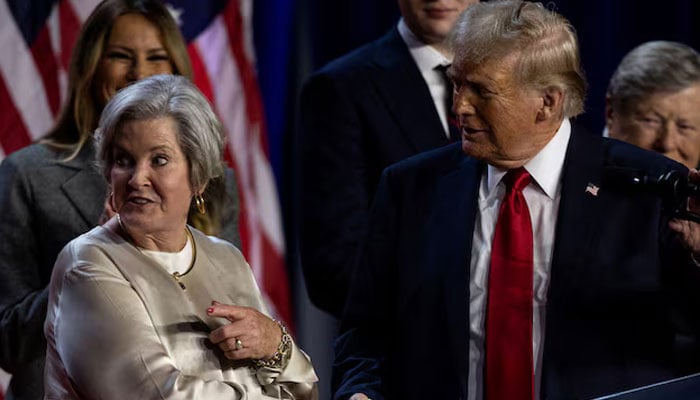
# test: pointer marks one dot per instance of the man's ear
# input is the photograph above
(552, 106)
(609, 112)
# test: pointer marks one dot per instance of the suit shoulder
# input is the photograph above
(45, 162)
(27, 167)
(362, 60)
(437, 161)
(33, 156)
(627, 155)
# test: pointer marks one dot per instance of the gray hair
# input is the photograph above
(199, 132)
(653, 67)
(545, 41)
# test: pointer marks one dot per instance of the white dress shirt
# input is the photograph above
(542, 196)
(427, 58)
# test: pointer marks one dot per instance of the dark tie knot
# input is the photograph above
(517, 179)
(442, 70)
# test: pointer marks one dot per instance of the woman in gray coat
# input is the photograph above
(50, 192)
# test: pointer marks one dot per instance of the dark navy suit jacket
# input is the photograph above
(622, 306)
(359, 114)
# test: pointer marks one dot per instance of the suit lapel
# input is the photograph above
(84, 187)
(579, 211)
(456, 207)
(577, 221)
(406, 95)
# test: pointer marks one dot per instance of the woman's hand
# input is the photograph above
(251, 334)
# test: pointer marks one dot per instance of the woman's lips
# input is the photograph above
(139, 200)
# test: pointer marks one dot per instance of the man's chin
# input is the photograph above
(473, 149)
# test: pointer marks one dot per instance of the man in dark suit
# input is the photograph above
(508, 267)
(653, 100)
(373, 107)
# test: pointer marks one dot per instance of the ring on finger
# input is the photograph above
(239, 344)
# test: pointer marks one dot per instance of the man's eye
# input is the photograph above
(685, 127)
(650, 120)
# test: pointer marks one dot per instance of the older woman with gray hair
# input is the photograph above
(653, 100)
(146, 306)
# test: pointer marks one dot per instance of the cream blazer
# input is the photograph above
(120, 327)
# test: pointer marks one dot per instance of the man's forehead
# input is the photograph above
(494, 68)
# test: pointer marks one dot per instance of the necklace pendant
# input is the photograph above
(177, 276)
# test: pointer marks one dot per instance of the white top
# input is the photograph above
(179, 261)
(427, 58)
(542, 196)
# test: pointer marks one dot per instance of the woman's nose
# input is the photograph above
(139, 176)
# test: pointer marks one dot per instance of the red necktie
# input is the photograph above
(509, 367)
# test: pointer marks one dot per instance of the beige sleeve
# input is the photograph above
(110, 349)
(298, 379)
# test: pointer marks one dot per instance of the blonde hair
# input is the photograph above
(79, 117)
(544, 40)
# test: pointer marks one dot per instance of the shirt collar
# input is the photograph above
(545, 168)
(425, 56)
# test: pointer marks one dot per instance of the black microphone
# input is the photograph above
(673, 187)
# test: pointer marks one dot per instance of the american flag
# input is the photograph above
(36, 39)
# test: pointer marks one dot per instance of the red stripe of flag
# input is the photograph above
(13, 133)
(201, 77)
(274, 274)
(234, 25)
(46, 63)
(69, 26)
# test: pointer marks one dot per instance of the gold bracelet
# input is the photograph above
(284, 351)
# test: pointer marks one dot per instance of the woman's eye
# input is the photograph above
(122, 161)
(118, 55)
(159, 57)
(160, 160)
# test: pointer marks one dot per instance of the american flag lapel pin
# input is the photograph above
(592, 189)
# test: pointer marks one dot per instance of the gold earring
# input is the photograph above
(199, 203)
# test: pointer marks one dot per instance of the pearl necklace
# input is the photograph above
(176, 275)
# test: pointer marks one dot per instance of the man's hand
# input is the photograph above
(690, 231)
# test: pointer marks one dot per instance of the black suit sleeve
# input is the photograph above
(335, 188)
(368, 322)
